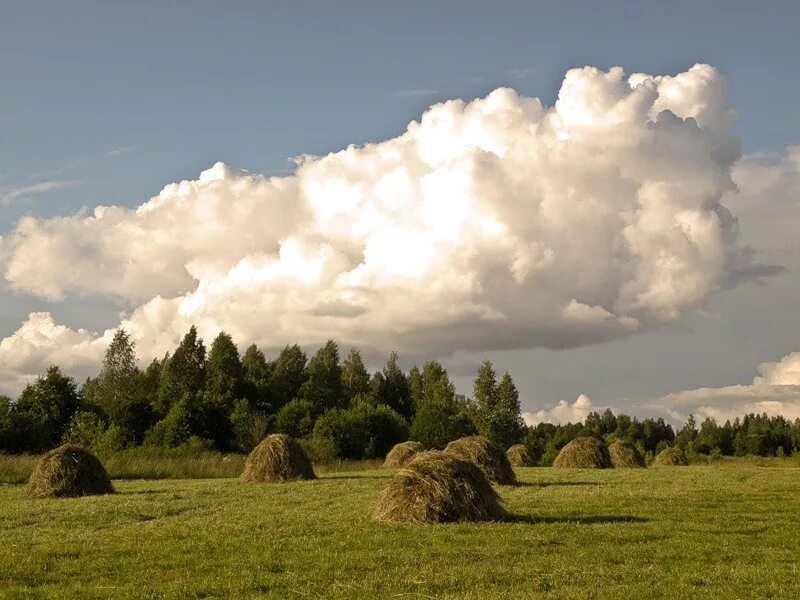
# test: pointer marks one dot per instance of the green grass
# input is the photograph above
(161, 463)
(699, 532)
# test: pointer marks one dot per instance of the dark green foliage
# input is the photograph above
(257, 375)
(496, 407)
(441, 417)
(248, 426)
(296, 419)
(183, 373)
(288, 375)
(355, 378)
(39, 418)
(322, 387)
(392, 389)
(361, 432)
(224, 374)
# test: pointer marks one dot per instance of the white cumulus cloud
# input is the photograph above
(564, 412)
(495, 223)
(775, 391)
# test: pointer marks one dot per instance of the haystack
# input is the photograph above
(437, 487)
(671, 457)
(583, 453)
(401, 454)
(67, 472)
(487, 455)
(625, 455)
(277, 458)
(519, 456)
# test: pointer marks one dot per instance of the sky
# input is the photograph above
(580, 245)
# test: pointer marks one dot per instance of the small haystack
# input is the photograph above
(519, 456)
(401, 454)
(583, 453)
(671, 457)
(625, 455)
(67, 472)
(277, 458)
(487, 455)
(437, 487)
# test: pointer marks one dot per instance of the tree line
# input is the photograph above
(219, 400)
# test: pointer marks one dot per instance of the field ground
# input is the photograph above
(697, 532)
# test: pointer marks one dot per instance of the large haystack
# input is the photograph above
(277, 458)
(625, 455)
(671, 457)
(437, 487)
(401, 454)
(67, 472)
(487, 455)
(583, 453)
(519, 456)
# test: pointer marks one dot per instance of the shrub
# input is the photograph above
(624, 454)
(249, 426)
(360, 432)
(277, 458)
(437, 487)
(673, 457)
(489, 457)
(295, 419)
(520, 456)
(402, 454)
(583, 453)
(67, 472)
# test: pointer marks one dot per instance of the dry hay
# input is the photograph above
(583, 453)
(671, 457)
(519, 456)
(437, 487)
(625, 455)
(277, 458)
(401, 454)
(68, 472)
(487, 455)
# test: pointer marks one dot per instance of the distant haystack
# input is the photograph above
(671, 457)
(401, 454)
(277, 458)
(437, 487)
(625, 455)
(583, 453)
(487, 455)
(67, 472)
(519, 456)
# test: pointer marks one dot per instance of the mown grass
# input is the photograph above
(699, 532)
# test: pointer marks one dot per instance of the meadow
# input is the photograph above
(730, 528)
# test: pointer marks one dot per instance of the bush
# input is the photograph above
(436, 424)
(249, 426)
(295, 419)
(360, 432)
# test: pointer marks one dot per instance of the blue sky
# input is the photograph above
(105, 103)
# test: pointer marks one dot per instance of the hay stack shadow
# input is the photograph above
(68, 472)
(401, 454)
(583, 453)
(277, 458)
(488, 456)
(437, 487)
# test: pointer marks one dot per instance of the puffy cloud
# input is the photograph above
(496, 223)
(775, 391)
(564, 412)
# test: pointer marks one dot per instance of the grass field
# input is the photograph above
(702, 532)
